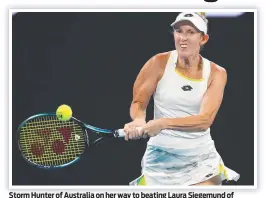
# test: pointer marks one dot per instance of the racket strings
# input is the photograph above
(48, 141)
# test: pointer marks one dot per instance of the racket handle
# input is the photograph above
(120, 133)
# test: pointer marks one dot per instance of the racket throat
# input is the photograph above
(101, 139)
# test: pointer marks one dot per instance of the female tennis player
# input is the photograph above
(188, 90)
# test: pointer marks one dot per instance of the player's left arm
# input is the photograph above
(210, 105)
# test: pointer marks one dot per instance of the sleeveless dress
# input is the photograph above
(175, 157)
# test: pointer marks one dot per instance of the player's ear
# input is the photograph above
(204, 39)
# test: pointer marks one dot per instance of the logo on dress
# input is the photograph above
(187, 88)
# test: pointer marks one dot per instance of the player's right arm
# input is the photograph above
(144, 86)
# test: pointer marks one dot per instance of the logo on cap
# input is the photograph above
(188, 15)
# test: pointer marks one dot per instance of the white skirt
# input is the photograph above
(162, 165)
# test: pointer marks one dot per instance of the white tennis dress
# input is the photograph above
(175, 157)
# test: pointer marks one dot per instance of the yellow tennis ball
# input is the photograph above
(64, 112)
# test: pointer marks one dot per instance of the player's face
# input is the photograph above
(188, 40)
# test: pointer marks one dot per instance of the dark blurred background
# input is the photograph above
(90, 62)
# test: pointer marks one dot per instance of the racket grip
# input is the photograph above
(119, 133)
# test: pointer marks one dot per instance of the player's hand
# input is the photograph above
(153, 127)
(132, 129)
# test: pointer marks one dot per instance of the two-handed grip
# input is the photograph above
(119, 133)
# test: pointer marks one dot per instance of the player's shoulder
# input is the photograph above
(162, 56)
(160, 59)
(217, 70)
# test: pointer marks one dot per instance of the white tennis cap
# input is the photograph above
(194, 18)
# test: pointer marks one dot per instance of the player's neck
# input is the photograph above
(189, 63)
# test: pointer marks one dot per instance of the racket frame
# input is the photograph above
(105, 133)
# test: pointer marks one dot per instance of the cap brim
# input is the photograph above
(187, 20)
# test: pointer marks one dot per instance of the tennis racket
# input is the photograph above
(47, 142)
